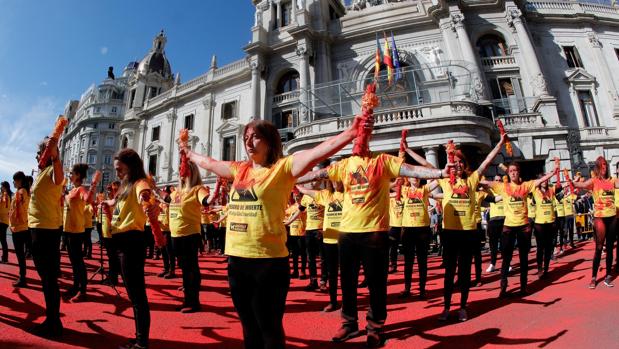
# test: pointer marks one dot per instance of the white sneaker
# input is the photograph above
(510, 269)
(490, 268)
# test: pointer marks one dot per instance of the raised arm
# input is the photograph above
(220, 168)
(305, 160)
(484, 165)
(309, 192)
(545, 177)
(420, 159)
(292, 218)
(421, 172)
(317, 175)
(586, 185)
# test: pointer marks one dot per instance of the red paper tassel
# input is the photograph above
(368, 103)
(566, 174)
(61, 123)
(508, 144)
(451, 154)
(403, 143)
(184, 139)
(558, 175)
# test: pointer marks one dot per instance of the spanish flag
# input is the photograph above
(388, 61)
(378, 60)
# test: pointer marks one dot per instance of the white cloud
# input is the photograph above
(103, 50)
(25, 123)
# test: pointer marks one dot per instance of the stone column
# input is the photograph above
(431, 154)
(303, 83)
(172, 150)
(538, 82)
(256, 68)
(466, 49)
(606, 75)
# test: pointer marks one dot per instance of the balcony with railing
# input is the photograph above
(498, 63)
(595, 133)
(286, 98)
(597, 8)
(517, 112)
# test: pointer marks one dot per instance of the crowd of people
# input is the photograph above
(355, 215)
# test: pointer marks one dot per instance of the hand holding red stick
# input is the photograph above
(508, 144)
(183, 140)
(368, 103)
(566, 174)
(557, 172)
(61, 123)
(451, 154)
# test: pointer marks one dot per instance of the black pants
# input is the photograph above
(19, 242)
(332, 269)
(543, 240)
(210, 237)
(203, 234)
(76, 256)
(481, 237)
(259, 287)
(495, 228)
(604, 232)
(46, 255)
(169, 257)
(569, 228)
(88, 242)
(560, 231)
(113, 260)
(296, 245)
(508, 239)
(100, 231)
(312, 245)
(416, 241)
(457, 250)
(149, 242)
(372, 251)
(395, 234)
(186, 250)
(324, 272)
(130, 247)
(5, 245)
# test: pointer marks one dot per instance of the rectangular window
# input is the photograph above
(286, 13)
(132, 98)
(106, 178)
(587, 108)
(155, 134)
(153, 92)
(111, 125)
(109, 141)
(93, 141)
(113, 110)
(95, 125)
(152, 165)
(107, 159)
(97, 109)
(189, 122)
(229, 149)
(229, 110)
(92, 159)
(572, 57)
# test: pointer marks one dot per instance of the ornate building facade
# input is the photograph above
(544, 67)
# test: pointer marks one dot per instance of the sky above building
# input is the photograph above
(52, 51)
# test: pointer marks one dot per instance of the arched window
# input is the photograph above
(404, 91)
(288, 83)
(491, 45)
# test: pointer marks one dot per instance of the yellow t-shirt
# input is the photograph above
(479, 197)
(366, 208)
(544, 206)
(315, 213)
(459, 209)
(559, 209)
(530, 207)
(164, 217)
(223, 214)
(297, 227)
(5, 207)
(333, 214)
(73, 221)
(18, 216)
(604, 197)
(204, 216)
(128, 212)
(496, 208)
(185, 211)
(45, 211)
(255, 227)
(395, 212)
(515, 201)
(568, 204)
(415, 212)
(88, 213)
(106, 228)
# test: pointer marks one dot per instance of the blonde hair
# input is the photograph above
(193, 179)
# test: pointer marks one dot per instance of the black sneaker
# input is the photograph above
(374, 340)
(608, 282)
(47, 329)
(462, 315)
(331, 307)
(162, 274)
(345, 333)
(20, 283)
(405, 294)
(363, 283)
(592, 284)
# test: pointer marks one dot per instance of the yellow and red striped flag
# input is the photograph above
(387, 60)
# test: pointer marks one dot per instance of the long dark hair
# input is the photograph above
(268, 133)
(135, 168)
(597, 168)
(7, 188)
(81, 170)
(20, 176)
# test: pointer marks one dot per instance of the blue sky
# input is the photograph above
(51, 51)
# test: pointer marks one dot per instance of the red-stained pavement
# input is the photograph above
(560, 312)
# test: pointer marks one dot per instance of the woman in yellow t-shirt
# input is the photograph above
(545, 226)
(105, 214)
(88, 226)
(185, 205)
(331, 199)
(258, 269)
(167, 252)
(313, 238)
(605, 216)
(516, 226)
(5, 205)
(44, 221)
(396, 207)
(132, 205)
(296, 217)
(495, 225)
(74, 227)
(18, 222)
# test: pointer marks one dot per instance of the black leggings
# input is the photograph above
(544, 241)
(312, 245)
(495, 228)
(74, 249)
(416, 241)
(296, 245)
(5, 245)
(395, 235)
(169, 257)
(477, 252)
(46, 256)
(259, 287)
(457, 252)
(113, 261)
(19, 242)
(604, 231)
(508, 239)
(88, 242)
(332, 267)
(131, 252)
(186, 250)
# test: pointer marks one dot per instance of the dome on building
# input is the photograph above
(155, 61)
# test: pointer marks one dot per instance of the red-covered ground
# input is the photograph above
(561, 312)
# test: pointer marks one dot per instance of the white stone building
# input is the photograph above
(92, 135)
(543, 67)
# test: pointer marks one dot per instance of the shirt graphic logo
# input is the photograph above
(243, 195)
(358, 177)
(459, 196)
(335, 206)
